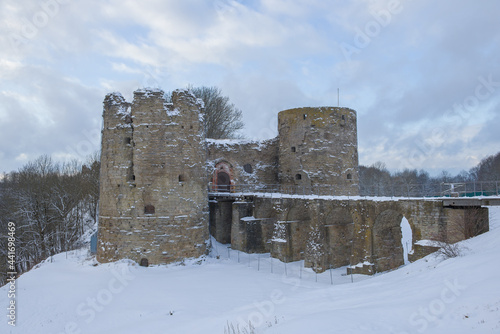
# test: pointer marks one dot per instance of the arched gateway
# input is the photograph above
(222, 179)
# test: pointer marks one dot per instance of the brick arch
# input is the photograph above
(387, 250)
(223, 177)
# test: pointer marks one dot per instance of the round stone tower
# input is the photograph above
(318, 150)
(153, 194)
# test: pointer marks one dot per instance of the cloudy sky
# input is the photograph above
(423, 76)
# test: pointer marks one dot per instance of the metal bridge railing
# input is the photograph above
(463, 189)
(322, 190)
(458, 189)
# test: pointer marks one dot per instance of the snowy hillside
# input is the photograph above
(73, 295)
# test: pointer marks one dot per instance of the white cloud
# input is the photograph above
(23, 157)
(121, 67)
(266, 55)
(220, 33)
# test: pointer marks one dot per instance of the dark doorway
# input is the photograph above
(223, 182)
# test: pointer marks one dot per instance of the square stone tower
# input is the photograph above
(153, 193)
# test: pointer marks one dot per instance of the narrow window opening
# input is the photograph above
(343, 117)
(305, 116)
(182, 178)
(191, 127)
(349, 176)
(149, 209)
(182, 126)
(298, 177)
(293, 149)
(128, 140)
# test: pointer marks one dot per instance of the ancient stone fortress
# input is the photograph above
(164, 187)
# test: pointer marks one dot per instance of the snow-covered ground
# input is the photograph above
(70, 294)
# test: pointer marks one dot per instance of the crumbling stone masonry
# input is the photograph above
(329, 233)
(153, 194)
(319, 147)
(156, 165)
(316, 151)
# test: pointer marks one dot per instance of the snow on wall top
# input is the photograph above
(117, 95)
(232, 143)
(114, 98)
(198, 101)
(149, 90)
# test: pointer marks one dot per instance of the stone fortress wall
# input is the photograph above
(156, 164)
(253, 163)
(157, 169)
(328, 233)
(315, 151)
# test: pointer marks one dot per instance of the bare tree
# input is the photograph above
(222, 118)
(90, 175)
(52, 206)
(375, 180)
(449, 250)
(488, 169)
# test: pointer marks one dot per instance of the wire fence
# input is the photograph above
(293, 272)
(382, 189)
